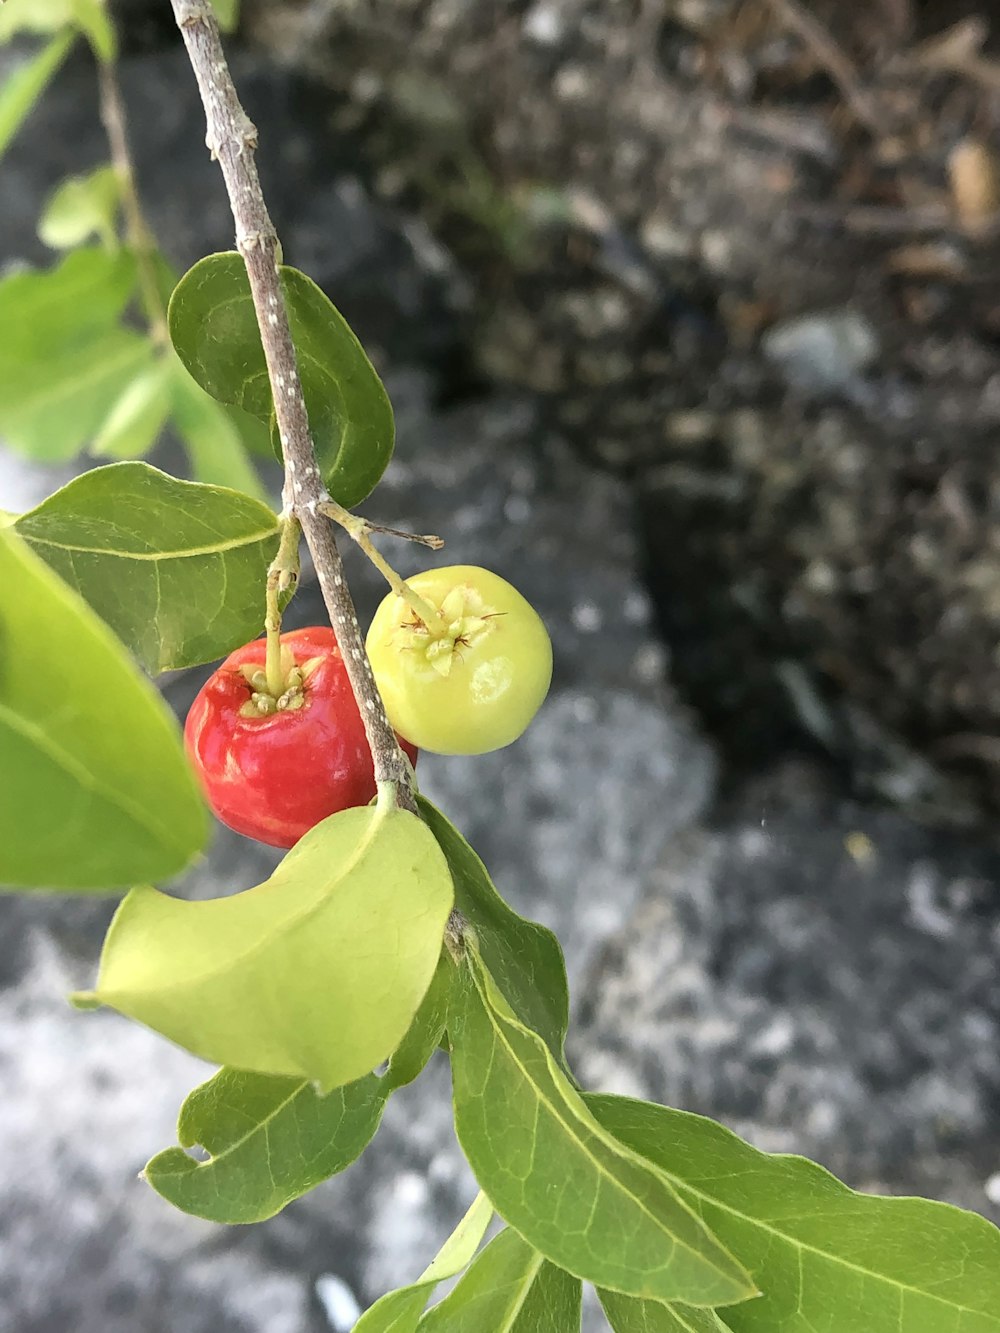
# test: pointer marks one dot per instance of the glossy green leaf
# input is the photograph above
(95, 791)
(400, 1311)
(628, 1314)
(269, 1139)
(135, 421)
(509, 1288)
(580, 1198)
(176, 568)
(20, 90)
(253, 434)
(317, 972)
(70, 361)
(215, 443)
(272, 1139)
(824, 1257)
(525, 959)
(214, 330)
(426, 1030)
(82, 207)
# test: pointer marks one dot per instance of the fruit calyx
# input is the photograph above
(466, 618)
(291, 695)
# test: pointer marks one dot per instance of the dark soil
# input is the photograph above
(749, 255)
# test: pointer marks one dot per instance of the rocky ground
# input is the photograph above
(747, 936)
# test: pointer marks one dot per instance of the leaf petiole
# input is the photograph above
(360, 530)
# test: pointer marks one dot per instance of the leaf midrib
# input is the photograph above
(527, 1283)
(69, 763)
(685, 1187)
(524, 1283)
(292, 922)
(260, 1126)
(676, 1240)
(155, 557)
(93, 373)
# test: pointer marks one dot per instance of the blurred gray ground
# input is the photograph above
(818, 972)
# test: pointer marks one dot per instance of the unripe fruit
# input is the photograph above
(472, 683)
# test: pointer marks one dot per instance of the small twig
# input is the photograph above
(137, 231)
(232, 139)
(421, 538)
(359, 530)
(875, 219)
(832, 57)
(958, 50)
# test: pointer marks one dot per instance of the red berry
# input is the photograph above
(272, 768)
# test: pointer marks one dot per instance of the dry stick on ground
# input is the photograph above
(830, 55)
(232, 139)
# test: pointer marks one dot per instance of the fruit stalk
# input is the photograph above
(231, 139)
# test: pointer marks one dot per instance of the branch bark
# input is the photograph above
(231, 140)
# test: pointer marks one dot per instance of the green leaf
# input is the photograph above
(95, 791)
(70, 361)
(824, 1257)
(509, 1288)
(627, 1314)
(63, 308)
(49, 16)
(214, 330)
(426, 1030)
(213, 439)
(316, 972)
(228, 13)
(177, 569)
(525, 958)
(37, 16)
(580, 1198)
(51, 410)
(253, 433)
(270, 1140)
(21, 90)
(91, 17)
(400, 1311)
(135, 421)
(81, 207)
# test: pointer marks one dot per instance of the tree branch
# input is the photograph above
(232, 139)
(137, 232)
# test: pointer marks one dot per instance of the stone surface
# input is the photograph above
(824, 983)
(646, 197)
(822, 977)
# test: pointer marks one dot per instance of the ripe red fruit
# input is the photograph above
(273, 774)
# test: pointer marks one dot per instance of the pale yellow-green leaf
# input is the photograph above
(95, 792)
(317, 972)
(135, 421)
(20, 90)
(81, 207)
(400, 1311)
